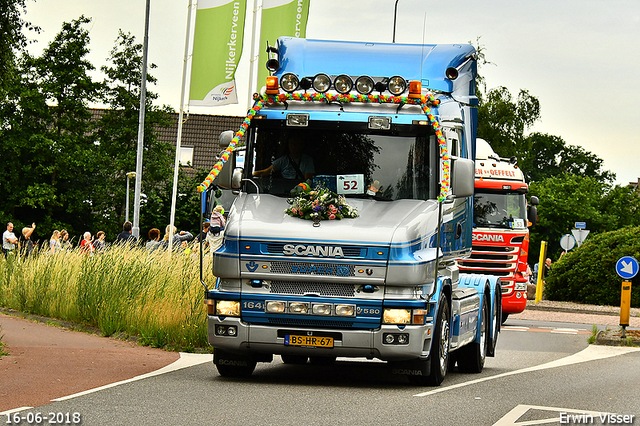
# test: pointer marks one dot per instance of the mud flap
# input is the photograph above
(415, 367)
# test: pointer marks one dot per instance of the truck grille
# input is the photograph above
(321, 289)
(327, 269)
(310, 322)
(491, 260)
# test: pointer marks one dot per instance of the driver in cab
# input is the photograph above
(294, 165)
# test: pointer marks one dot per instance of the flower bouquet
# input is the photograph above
(317, 204)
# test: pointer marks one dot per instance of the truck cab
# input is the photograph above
(354, 200)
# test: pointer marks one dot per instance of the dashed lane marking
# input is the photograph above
(547, 330)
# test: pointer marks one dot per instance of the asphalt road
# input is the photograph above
(542, 371)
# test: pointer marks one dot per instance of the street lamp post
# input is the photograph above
(395, 14)
(130, 175)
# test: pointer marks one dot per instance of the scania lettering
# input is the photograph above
(354, 175)
(501, 226)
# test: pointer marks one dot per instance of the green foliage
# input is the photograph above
(587, 274)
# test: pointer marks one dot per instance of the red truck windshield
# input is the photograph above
(499, 210)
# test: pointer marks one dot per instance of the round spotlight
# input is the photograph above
(397, 85)
(321, 83)
(289, 82)
(364, 85)
(389, 339)
(343, 84)
(451, 73)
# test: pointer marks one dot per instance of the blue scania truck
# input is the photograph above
(354, 256)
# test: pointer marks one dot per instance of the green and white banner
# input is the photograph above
(217, 47)
(280, 18)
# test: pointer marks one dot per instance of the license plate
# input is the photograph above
(308, 341)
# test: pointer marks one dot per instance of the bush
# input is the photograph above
(587, 274)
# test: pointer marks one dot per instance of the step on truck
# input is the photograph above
(501, 218)
(354, 174)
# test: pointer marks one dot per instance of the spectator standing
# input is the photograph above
(126, 237)
(64, 240)
(154, 240)
(26, 234)
(86, 246)
(9, 240)
(217, 222)
(178, 238)
(99, 244)
(54, 242)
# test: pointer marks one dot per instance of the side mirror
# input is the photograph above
(236, 179)
(462, 176)
(534, 201)
(532, 214)
(225, 138)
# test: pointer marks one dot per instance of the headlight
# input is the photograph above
(321, 309)
(298, 308)
(397, 85)
(289, 82)
(346, 310)
(229, 308)
(396, 316)
(276, 307)
(343, 84)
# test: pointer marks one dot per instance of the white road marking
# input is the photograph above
(511, 418)
(185, 360)
(590, 353)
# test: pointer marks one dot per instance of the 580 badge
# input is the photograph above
(368, 311)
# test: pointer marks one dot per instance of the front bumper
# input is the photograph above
(268, 339)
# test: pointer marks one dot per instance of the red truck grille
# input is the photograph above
(498, 261)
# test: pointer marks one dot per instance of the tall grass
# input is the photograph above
(121, 291)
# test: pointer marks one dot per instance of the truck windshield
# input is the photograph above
(500, 210)
(354, 164)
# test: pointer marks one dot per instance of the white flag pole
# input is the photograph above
(253, 59)
(176, 165)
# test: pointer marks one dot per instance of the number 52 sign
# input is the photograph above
(350, 184)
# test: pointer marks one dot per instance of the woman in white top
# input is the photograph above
(54, 242)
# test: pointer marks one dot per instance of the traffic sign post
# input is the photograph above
(567, 242)
(539, 283)
(626, 268)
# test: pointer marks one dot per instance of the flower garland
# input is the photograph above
(318, 204)
(423, 101)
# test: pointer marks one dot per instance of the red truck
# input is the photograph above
(501, 226)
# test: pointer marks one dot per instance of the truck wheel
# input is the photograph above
(495, 321)
(439, 356)
(294, 359)
(504, 317)
(472, 356)
(230, 365)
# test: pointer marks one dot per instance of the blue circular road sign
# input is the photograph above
(627, 267)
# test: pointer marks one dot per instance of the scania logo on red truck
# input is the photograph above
(494, 238)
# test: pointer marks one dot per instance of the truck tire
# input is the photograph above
(504, 317)
(496, 313)
(472, 356)
(439, 355)
(294, 359)
(230, 365)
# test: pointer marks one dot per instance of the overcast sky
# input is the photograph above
(580, 58)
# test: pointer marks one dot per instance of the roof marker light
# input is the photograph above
(415, 89)
(272, 85)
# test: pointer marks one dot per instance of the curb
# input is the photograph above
(614, 338)
(569, 310)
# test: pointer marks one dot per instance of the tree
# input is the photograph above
(117, 134)
(503, 121)
(48, 134)
(12, 39)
